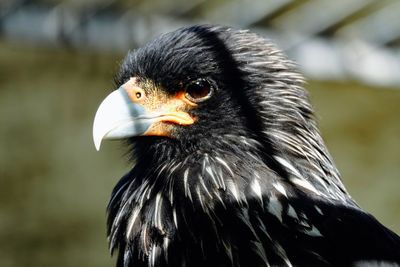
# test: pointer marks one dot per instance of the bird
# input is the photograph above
(228, 165)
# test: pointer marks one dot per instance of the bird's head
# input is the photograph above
(183, 85)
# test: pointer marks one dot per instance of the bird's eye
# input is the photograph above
(198, 90)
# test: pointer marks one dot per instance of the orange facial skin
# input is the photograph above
(165, 109)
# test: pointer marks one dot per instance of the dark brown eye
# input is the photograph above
(199, 90)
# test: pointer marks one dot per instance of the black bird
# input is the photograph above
(230, 168)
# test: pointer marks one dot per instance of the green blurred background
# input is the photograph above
(54, 186)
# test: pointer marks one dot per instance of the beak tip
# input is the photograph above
(97, 143)
(97, 146)
(97, 138)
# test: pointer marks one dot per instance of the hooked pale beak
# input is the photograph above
(122, 115)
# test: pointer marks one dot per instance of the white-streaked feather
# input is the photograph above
(304, 184)
(288, 166)
(255, 186)
(281, 189)
(131, 222)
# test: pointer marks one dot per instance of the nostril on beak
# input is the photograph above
(136, 94)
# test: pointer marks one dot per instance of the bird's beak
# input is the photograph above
(120, 115)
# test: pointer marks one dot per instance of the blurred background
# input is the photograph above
(57, 60)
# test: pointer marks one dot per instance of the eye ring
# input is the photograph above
(198, 90)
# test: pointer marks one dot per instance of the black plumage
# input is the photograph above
(251, 182)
